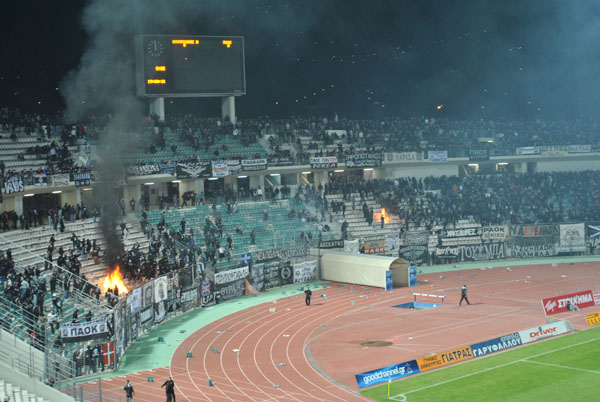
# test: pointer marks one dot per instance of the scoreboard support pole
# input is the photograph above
(228, 108)
(157, 107)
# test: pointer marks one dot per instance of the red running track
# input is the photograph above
(261, 355)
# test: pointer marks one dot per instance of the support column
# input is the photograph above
(157, 107)
(228, 108)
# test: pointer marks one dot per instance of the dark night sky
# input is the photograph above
(480, 59)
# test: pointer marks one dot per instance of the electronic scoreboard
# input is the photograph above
(180, 66)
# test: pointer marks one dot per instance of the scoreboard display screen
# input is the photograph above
(178, 66)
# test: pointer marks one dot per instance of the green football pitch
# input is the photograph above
(566, 368)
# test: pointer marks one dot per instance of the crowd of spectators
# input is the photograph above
(508, 198)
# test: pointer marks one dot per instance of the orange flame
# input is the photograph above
(386, 218)
(115, 279)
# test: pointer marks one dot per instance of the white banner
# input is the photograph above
(403, 156)
(305, 271)
(392, 243)
(81, 331)
(231, 275)
(59, 180)
(220, 169)
(544, 331)
(579, 149)
(351, 246)
(234, 166)
(572, 238)
(160, 289)
(134, 300)
(437, 156)
(528, 150)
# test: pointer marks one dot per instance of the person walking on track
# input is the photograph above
(170, 388)
(128, 388)
(308, 294)
(463, 295)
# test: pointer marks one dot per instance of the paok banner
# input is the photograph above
(84, 331)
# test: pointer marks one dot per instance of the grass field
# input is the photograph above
(566, 368)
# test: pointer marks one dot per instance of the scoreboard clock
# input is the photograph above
(189, 66)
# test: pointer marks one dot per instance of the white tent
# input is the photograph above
(363, 269)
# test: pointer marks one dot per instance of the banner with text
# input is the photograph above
(572, 238)
(249, 165)
(14, 184)
(437, 156)
(544, 331)
(231, 275)
(496, 345)
(83, 331)
(403, 156)
(385, 374)
(219, 169)
(445, 358)
(305, 271)
(362, 160)
(558, 304)
(323, 162)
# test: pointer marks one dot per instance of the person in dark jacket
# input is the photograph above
(170, 389)
(308, 294)
(463, 295)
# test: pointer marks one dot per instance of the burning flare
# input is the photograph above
(115, 279)
(386, 218)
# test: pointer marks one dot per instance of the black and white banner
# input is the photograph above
(305, 271)
(232, 289)
(392, 243)
(531, 247)
(160, 311)
(403, 156)
(281, 161)
(553, 150)
(323, 162)
(528, 150)
(331, 244)
(415, 254)
(367, 159)
(414, 238)
(143, 170)
(579, 149)
(83, 331)
(594, 234)
(464, 232)
(284, 254)
(234, 166)
(160, 289)
(82, 179)
(257, 277)
(193, 170)
(479, 155)
(572, 238)
(146, 314)
(231, 275)
(254, 164)
(134, 300)
(190, 296)
(167, 168)
(148, 293)
(14, 185)
(59, 180)
(272, 276)
(40, 179)
(219, 169)
(437, 156)
(475, 252)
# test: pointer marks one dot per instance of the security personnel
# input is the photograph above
(463, 295)
(308, 294)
